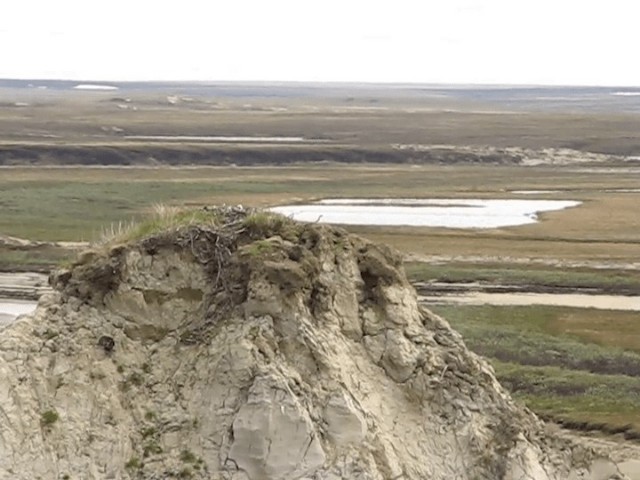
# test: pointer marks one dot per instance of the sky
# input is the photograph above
(543, 42)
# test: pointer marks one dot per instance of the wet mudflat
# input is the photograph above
(437, 212)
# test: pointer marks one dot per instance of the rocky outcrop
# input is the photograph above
(257, 349)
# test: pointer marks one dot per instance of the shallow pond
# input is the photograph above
(217, 138)
(448, 213)
(10, 309)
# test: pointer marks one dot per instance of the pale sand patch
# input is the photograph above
(602, 302)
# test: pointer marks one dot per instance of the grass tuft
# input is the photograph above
(161, 219)
(188, 457)
(133, 463)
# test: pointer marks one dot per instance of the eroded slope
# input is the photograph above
(255, 348)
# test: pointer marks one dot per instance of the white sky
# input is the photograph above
(588, 42)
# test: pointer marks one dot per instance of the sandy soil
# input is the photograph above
(603, 302)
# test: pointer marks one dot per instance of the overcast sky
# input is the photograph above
(434, 41)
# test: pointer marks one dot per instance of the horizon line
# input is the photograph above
(323, 83)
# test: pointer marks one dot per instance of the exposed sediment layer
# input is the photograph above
(256, 348)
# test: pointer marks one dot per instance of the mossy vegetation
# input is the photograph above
(186, 472)
(260, 248)
(151, 448)
(194, 463)
(134, 463)
(48, 418)
(149, 415)
(187, 456)
(263, 224)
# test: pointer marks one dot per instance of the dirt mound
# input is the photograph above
(250, 347)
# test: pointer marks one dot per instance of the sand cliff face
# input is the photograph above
(258, 350)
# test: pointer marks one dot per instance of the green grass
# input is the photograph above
(529, 275)
(163, 218)
(558, 370)
(37, 259)
(188, 457)
(605, 402)
(81, 211)
(611, 329)
(48, 418)
(534, 335)
(134, 463)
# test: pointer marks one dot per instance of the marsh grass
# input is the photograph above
(552, 363)
(613, 330)
(589, 401)
(39, 259)
(531, 276)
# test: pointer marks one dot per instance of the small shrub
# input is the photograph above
(163, 217)
(266, 224)
(185, 473)
(152, 448)
(136, 379)
(48, 418)
(188, 457)
(148, 432)
(133, 463)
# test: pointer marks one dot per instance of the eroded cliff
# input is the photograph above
(250, 347)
